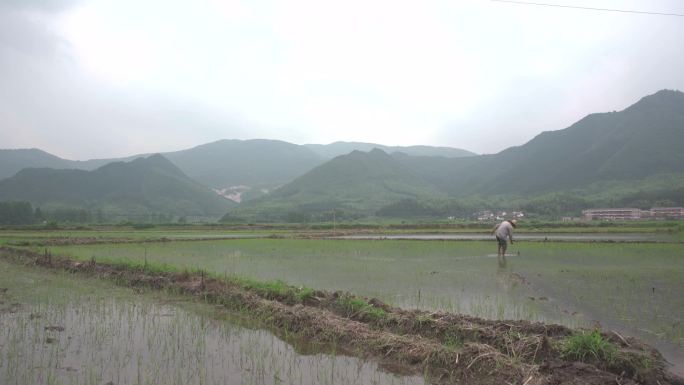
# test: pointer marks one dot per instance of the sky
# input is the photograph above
(105, 78)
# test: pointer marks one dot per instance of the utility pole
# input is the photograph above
(334, 223)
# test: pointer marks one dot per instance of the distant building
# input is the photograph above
(488, 215)
(485, 215)
(667, 212)
(611, 214)
(627, 214)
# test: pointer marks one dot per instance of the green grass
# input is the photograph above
(359, 307)
(588, 347)
(276, 289)
(270, 289)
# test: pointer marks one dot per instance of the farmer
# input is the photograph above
(502, 231)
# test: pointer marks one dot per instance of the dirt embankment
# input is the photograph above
(450, 348)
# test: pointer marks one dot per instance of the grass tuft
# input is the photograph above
(278, 290)
(588, 347)
(358, 307)
(304, 293)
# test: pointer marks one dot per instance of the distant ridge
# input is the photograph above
(144, 185)
(643, 140)
(248, 165)
(356, 182)
(256, 163)
(332, 150)
(633, 157)
(634, 150)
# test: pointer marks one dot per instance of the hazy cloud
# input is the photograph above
(39, 5)
(97, 78)
(48, 101)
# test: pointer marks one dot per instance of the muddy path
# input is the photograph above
(449, 348)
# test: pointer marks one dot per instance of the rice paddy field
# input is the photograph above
(60, 329)
(633, 288)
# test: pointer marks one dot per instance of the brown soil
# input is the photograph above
(450, 348)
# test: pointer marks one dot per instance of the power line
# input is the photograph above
(589, 8)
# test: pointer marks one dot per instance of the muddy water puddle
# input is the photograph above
(56, 329)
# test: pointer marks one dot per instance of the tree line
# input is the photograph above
(23, 213)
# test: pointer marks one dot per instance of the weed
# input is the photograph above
(275, 289)
(422, 320)
(588, 347)
(267, 289)
(452, 340)
(358, 307)
(304, 293)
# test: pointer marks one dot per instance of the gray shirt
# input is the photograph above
(504, 230)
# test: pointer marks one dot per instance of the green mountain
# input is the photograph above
(12, 161)
(643, 140)
(351, 184)
(629, 157)
(233, 168)
(239, 169)
(332, 150)
(142, 186)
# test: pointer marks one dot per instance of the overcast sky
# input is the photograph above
(104, 78)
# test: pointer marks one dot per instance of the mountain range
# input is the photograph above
(252, 164)
(329, 151)
(631, 148)
(630, 156)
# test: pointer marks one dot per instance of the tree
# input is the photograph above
(16, 213)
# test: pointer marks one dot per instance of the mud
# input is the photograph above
(450, 348)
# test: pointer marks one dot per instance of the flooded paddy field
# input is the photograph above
(629, 232)
(531, 236)
(23, 237)
(632, 288)
(56, 328)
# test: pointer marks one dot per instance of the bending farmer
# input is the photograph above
(502, 231)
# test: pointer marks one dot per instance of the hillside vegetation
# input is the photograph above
(627, 158)
(257, 163)
(142, 186)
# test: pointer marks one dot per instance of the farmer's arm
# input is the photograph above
(495, 227)
(510, 235)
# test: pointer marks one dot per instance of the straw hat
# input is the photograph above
(514, 222)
